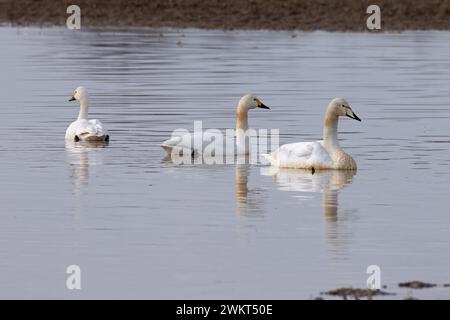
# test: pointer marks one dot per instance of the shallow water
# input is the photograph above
(141, 227)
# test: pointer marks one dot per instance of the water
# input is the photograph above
(141, 227)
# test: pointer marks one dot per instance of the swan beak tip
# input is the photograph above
(72, 99)
(354, 116)
(263, 106)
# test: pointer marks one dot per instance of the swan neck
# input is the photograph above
(83, 109)
(241, 119)
(330, 138)
(241, 127)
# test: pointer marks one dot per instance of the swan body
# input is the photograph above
(83, 129)
(197, 142)
(86, 130)
(318, 155)
(301, 155)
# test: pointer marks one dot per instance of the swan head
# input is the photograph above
(249, 102)
(341, 108)
(79, 93)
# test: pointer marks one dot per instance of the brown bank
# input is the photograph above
(332, 15)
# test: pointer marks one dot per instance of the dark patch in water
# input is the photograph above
(356, 293)
(416, 285)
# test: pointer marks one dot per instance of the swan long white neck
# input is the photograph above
(83, 109)
(330, 139)
(340, 159)
(241, 126)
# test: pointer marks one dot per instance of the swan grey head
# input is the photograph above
(249, 101)
(79, 94)
(340, 107)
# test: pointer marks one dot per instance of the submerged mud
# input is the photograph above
(331, 15)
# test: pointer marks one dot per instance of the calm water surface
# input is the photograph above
(141, 227)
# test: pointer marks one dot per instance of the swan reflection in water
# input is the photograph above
(247, 200)
(327, 182)
(81, 155)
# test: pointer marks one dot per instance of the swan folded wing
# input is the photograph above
(90, 128)
(182, 143)
(207, 143)
(100, 129)
(84, 128)
(172, 142)
(195, 142)
(302, 155)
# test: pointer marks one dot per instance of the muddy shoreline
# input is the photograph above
(307, 15)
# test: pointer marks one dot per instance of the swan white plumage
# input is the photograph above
(186, 142)
(83, 129)
(318, 155)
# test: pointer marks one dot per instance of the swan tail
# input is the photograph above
(167, 148)
(92, 138)
(169, 144)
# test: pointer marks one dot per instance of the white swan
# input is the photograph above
(83, 129)
(186, 142)
(317, 155)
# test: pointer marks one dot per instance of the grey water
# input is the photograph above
(140, 226)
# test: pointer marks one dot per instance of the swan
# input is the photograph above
(186, 142)
(318, 155)
(83, 129)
